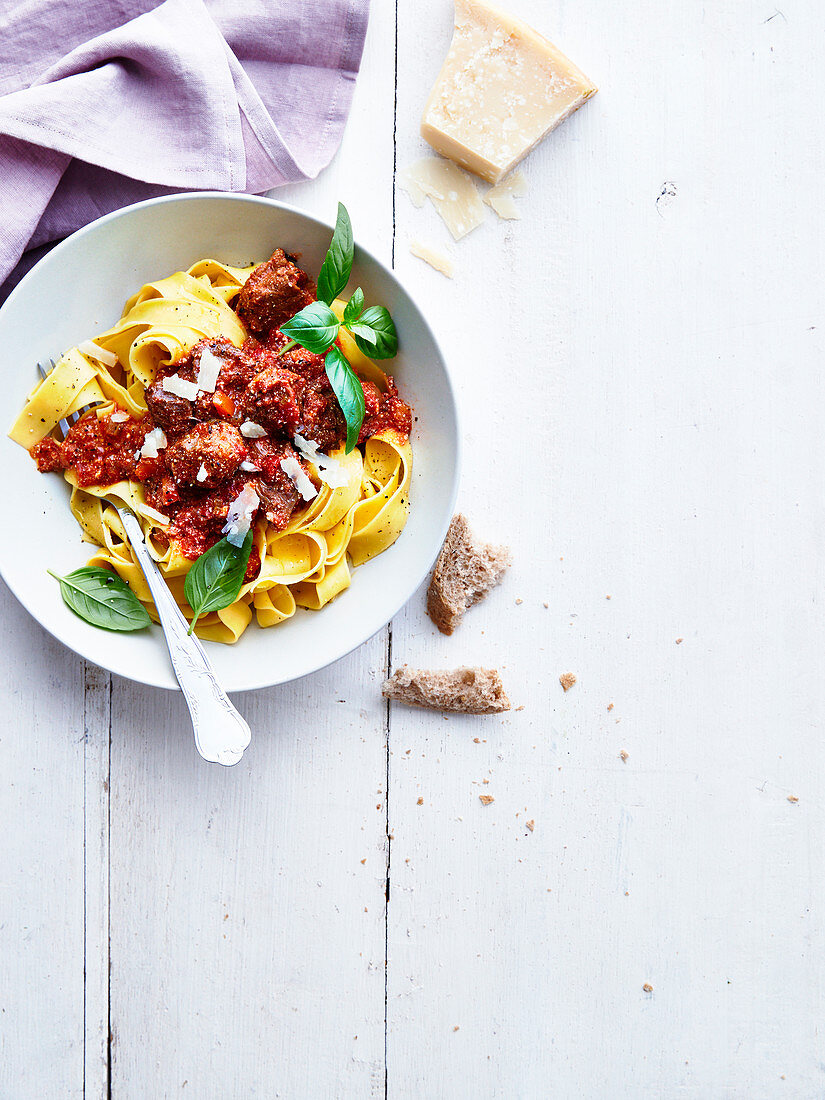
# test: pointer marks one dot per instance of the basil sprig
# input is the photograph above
(216, 577)
(101, 598)
(316, 327)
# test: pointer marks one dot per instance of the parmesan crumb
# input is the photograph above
(567, 679)
(485, 799)
(679, 641)
(420, 802)
(531, 824)
(610, 706)
(792, 798)
(647, 987)
(624, 754)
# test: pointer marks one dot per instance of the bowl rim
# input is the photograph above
(254, 683)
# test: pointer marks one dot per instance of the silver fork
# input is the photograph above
(221, 734)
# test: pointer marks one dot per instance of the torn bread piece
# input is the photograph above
(465, 572)
(500, 197)
(439, 260)
(468, 690)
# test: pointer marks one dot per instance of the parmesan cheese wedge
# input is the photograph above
(451, 191)
(503, 88)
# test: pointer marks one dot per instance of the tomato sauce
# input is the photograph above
(219, 442)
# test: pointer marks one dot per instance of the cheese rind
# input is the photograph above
(503, 88)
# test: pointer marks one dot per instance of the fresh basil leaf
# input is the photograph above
(337, 266)
(352, 310)
(314, 328)
(349, 392)
(216, 577)
(101, 598)
(375, 333)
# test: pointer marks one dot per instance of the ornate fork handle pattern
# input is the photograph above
(221, 734)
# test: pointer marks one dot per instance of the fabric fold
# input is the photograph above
(178, 95)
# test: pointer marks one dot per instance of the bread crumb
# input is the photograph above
(455, 1028)
(608, 597)
(647, 987)
(364, 860)
(679, 641)
(519, 599)
(476, 740)
(420, 802)
(567, 679)
(792, 798)
(546, 604)
(531, 824)
(485, 799)
(519, 708)
(485, 781)
(610, 706)
(624, 754)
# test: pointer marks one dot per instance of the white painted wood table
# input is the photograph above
(639, 363)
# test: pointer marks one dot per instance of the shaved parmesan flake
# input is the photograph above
(293, 469)
(153, 442)
(210, 368)
(330, 470)
(95, 351)
(119, 417)
(250, 467)
(252, 430)
(239, 516)
(202, 473)
(439, 260)
(152, 513)
(500, 197)
(451, 191)
(180, 387)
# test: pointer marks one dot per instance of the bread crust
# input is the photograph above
(467, 690)
(466, 570)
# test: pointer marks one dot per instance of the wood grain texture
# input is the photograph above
(638, 363)
(41, 867)
(667, 261)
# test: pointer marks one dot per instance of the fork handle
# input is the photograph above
(221, 734)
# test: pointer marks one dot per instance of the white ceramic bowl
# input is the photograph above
(79, 289)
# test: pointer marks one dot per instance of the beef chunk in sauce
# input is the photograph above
(321, 418)
(172, 413)
(272, 400)
(214, 449)
(278, 494)
(274, 292)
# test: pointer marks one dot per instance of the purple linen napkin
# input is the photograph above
(106, 102)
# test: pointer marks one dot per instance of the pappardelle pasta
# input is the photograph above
(209, 422)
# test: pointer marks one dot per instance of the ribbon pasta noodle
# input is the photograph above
(304, 565)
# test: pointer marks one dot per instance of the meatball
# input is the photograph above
(272, 400)
(274, 292)
(321, 418)
(213, 449)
